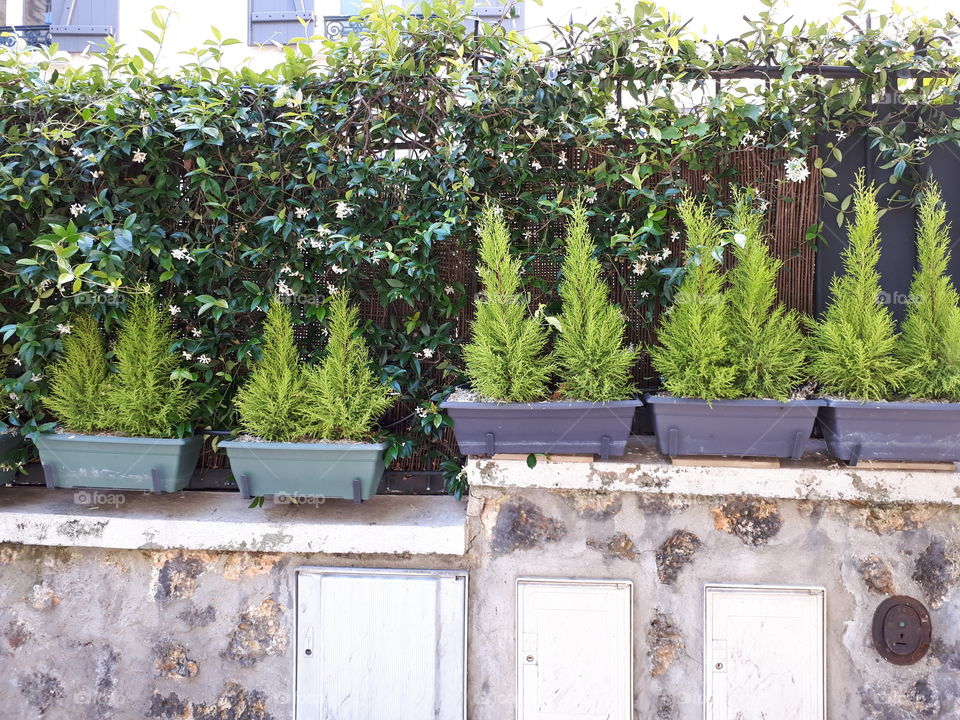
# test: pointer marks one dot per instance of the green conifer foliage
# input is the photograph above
(930, 336)
(695, 357)
(78, 380)
(854, 346)
(593, 364)
(505, 359)
(345, 395)
(271, 403)
(769, 350)
(143, 400)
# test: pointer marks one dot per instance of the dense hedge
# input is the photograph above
(364, 167)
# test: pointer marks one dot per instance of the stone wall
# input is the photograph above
(99, 634)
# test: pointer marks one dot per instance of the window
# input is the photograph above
(30, 19)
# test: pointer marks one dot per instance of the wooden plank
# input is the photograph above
(546, 458)
(723, 461)
(906, 465)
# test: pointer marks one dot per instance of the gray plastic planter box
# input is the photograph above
(118, 463)
(918, 431)
(307, 470)
(559, 428)
(739, 428)
(8, 443)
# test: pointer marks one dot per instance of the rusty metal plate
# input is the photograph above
(902, 630)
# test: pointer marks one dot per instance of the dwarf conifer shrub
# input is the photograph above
(854, 346)
(930, 336)
(593, 363)
(695, 355)
(78, 380)
(345, 396)
(271, 403)
(143, 398)
(769, 350)
(505, 358)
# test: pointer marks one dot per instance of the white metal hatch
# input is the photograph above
(574, 649)
(764, 653)
(381, 644)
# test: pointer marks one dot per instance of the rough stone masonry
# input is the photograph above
(100, 634)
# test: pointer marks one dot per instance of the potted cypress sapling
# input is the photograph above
(509, 368)
(128, 430)
(859, 356)
(309, 429)
(730, 360)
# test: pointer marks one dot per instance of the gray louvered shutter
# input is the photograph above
(494, 12)
(78, 24)
(279, 20)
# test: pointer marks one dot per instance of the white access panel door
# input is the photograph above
(381, 644)
(574, 650)
(764, 653)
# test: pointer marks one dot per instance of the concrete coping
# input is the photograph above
(198, 520)
(643, 469)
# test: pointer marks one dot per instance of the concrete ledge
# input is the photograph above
(224, 522)
(643, 469)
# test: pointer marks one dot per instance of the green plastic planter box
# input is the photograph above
(118, 463)
(307, 470)
(8, 443)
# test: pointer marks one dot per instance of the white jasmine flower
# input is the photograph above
(665, 253)
(841, 135)
(64, 328)
(748, 139)
(139, 156)
(536, 165)
(283, 288)
(332, 289)
(644, 293)
(77, 209)
(174, 309)
(203, 360)
(448, 290)
(36, 378)
(338, 270)
(675, 235)
(17, 361)
(187, 356)
(796, 169)
(639, 268)
(323, 231)
(421, 412)
(316, 243)
(920, 143)
(77, 151)
(344, 210)
(95, 174)
(301, 212)
(426, 354)
(196, 332)
(181, 254)
(793, 134)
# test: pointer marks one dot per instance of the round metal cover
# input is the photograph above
(901, 630)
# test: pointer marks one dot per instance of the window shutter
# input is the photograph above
(80, 24)
(278, 21)
(494, 12)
